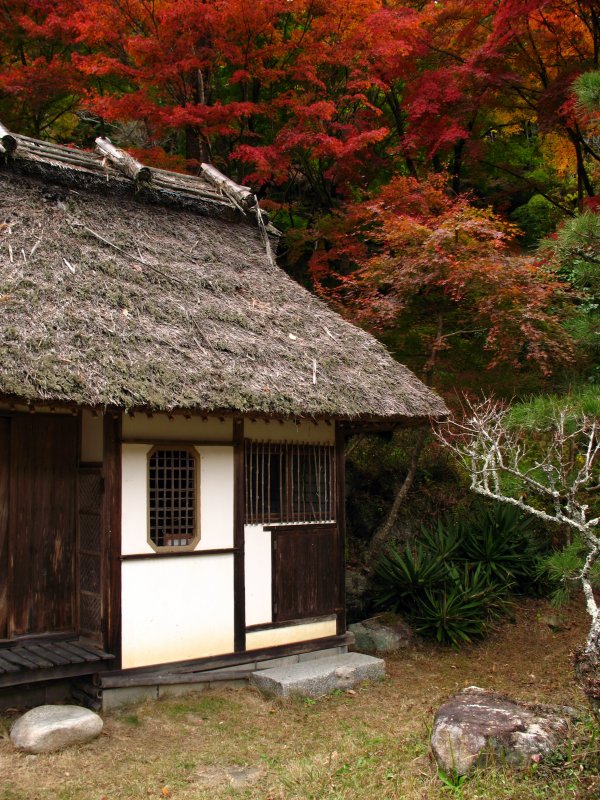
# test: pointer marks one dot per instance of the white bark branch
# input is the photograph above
(552, 485)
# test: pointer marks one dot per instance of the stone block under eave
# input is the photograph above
(319, 677)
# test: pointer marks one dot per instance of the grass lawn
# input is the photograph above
(371, 744)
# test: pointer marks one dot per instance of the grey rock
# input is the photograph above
(319, 677)
(555, 622)
(477, 726)
(48, 728)
(382, 635)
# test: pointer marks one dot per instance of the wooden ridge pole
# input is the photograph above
(123, 161)
(242, 194)
(7, 141)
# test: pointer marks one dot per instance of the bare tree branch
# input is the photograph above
(547, 472)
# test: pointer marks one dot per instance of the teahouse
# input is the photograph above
(173, 410)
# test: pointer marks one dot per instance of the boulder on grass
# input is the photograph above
(48, 728)
(477, 727)
(386, 633)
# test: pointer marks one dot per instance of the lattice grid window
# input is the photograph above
(286, 482)
(172, 496)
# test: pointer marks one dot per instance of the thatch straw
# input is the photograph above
(110, 302)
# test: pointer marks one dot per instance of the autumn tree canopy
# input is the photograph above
(339, 113)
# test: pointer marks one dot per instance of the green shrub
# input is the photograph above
(455, 578)
(461, 610)
(537, 218)
(404, 575)
(500, 538)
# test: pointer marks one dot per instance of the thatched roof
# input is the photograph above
(159, 299)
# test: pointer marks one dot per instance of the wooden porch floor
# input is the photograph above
(41, 660)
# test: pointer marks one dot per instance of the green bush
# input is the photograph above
(461, 609)
(537, 218)
(500, 538)
(455, 578)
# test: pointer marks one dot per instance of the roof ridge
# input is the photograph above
(110, 167)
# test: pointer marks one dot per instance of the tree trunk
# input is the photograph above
(587, 668)
(583, 182)
(382, 534)
(457, 157)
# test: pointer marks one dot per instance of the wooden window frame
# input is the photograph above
(293, 508)
(179, 548)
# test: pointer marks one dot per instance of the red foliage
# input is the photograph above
(321, 103)
(450, 258)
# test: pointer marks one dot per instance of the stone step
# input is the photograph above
(319, 677)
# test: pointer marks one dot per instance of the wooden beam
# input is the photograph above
(239, 576)
(111, 529)
(156, 441)
(49, 674)
(123, 161)
(235, 659)
(8, 141)
(167, 678)
(341, 524)
(220, 551)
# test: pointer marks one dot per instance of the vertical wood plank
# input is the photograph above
(239, 576)
(4, 484)
(340, 509)
(90, 546)
(42, 524)
(111, 524)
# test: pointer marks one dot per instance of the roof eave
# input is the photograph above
(350, 423)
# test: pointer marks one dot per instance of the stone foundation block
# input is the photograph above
(319, 677)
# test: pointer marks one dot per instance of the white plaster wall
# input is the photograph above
(176, 609)
(160, 427)
(258, 575)
(288, 635)
(134, 504)
(301, 431)
(216, 498)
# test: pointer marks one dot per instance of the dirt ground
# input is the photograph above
(371, 743)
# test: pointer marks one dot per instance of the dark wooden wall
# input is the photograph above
(306, 580)
(41, 532)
